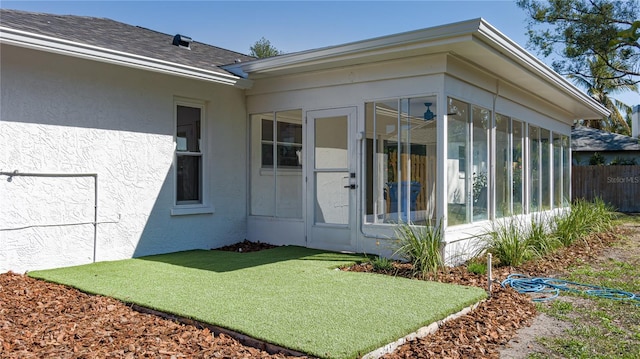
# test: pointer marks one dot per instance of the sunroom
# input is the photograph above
(455, 124)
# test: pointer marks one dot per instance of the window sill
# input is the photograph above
(185, 211)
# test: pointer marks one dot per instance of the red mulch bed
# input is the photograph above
(45, 320)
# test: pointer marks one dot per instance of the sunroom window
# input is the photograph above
(534, 169)
(400, 160)
(518, 165)
(504, 167)
(469, 133)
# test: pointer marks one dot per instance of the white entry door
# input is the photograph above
(332, 179)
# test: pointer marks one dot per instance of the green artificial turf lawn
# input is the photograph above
(290, 296)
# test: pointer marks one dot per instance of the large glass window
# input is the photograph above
(503, 167)
(458, 175)
(188, 154)
(400, 167)
(545, 168)
(469, 133)
(534, 169)
(557, 171)
(566, 171)
(517, 154)
(276, 185)
(481, 118)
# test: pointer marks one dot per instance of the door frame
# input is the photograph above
(345, 234)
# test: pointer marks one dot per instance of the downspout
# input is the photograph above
(15, 173)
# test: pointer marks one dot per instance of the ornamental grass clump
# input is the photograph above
(421, 246)
(582, 219)
(513, 241)
(508, 242)
(538, 235)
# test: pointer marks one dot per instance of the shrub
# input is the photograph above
(421, 246)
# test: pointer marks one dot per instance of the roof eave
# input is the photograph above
(477, 30)
(500, 41)
(365, 48)
(55, 45)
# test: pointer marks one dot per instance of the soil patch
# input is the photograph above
(246, 246)
(525, 340)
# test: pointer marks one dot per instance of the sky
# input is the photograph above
(293, 26)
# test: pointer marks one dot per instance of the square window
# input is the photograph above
(288, 144)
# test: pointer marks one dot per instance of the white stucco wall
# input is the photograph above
(66, 115)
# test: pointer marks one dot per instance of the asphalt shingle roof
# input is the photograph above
(122, 37)
(591, 139)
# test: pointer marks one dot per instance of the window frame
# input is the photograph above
(405, 115)
(274, 173)
(200, 206)
(274, 142)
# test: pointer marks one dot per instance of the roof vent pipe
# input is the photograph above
(182, 41)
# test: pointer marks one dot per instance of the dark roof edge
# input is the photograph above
(45, 43)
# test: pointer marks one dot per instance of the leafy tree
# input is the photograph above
(595, 43)
(263, 48)
(597, 159)
(600, 85)
(580, 30)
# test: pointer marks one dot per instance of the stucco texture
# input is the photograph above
(67, 115)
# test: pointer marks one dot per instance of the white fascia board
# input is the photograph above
(499, 41)
(54, 45)
(379, 46)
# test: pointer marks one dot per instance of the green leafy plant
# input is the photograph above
(421, 246)
(619, 161)
(597, 159)
(381, 264)
(477, 267)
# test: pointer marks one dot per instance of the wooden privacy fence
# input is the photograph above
(617, 185)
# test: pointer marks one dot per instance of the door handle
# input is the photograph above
(351, 186)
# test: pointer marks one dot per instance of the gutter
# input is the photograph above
(69, 48)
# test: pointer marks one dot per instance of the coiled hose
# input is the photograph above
(550, 288)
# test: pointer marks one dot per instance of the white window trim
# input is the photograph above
(204, 207)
